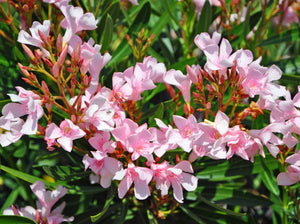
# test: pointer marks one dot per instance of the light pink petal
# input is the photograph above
(185, 166)
(283, 179)
(189, 182)
(141, 190)
(124, 186)
(177, 191)
(66, 143)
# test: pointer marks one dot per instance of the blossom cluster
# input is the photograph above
(46, 200)
(126, 150)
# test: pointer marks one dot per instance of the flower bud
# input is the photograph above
(59, 44)
(56, 70)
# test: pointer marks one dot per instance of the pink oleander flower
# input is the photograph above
(46, 200)
(99, 114)
(95, 66)
(177, 176)
(137, 140)
(294, 159)
(218, 58)
(139, 176)
(181, 81)
(64, 134)
(161, 138)
(130, 84)
(25, 103)
(188, 132)
(10, 130)
(193, 73)
(103, 166)
(289, 178)
(158, 70)
(34, 39)
(259, 81)
(76, 21)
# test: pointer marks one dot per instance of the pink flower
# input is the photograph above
(76, 21)
(27, 103)
(10, 130)
(135, 139)
(259, 81)
(161, 138)
(292, 177)
(46, 200)
(64, 134)
(182, 82)
(34, 39)
(188, 132)
(140, 176)
(133, 82)
(99, 113)
(158, 70)
(218, 58)
(102, 165)
(166, 175)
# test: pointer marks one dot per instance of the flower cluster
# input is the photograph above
(126, 149)
(46, 200)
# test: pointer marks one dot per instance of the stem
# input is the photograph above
(285, 205)
(97, 8)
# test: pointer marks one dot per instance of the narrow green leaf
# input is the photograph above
(186, 210)
(4, 219)
(66, 173)
(27, 177)
(72, 189)
(233, 196)
(269, 179)
(109, 199)
(10, 199)
(205, 18)
(140, 21)
(107, 34)
(288, 35)
(227, 211)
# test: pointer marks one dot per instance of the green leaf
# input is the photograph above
(186, 210)
(66, 173)
(205, 18)
(214, 170)
(109, 200)
(288, 35)
(233, 196)
(10, 199)
(4, 219)
(227, 211)
(72, 189)
(139, 22)
(27, 177)
(107, 34)
(269, 179)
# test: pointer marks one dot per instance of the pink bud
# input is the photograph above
(63, 55)
(59, 43)
(56, 70)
